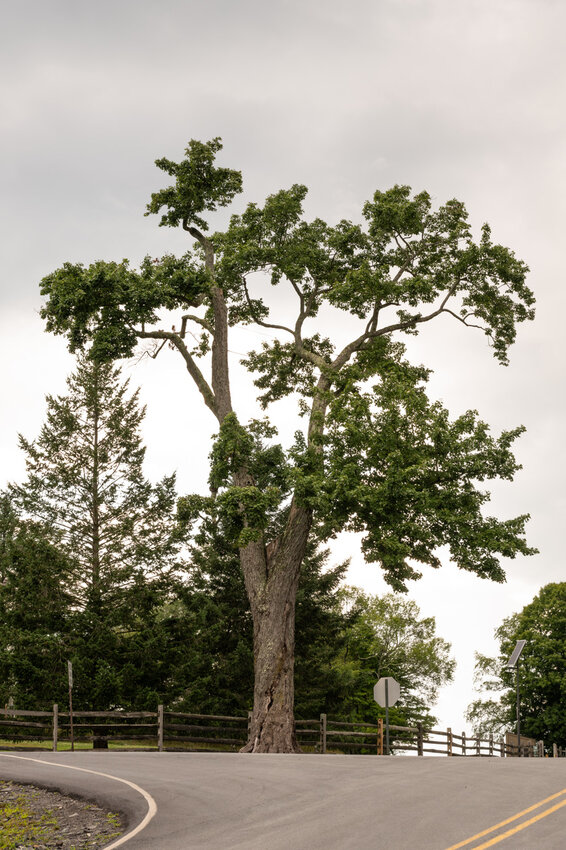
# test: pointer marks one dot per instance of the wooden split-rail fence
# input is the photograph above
(167, 730)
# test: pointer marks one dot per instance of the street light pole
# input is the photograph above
(518, 712)
(513, 664)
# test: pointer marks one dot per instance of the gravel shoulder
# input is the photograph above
(34, 818)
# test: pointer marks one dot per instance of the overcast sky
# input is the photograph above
(461, 99)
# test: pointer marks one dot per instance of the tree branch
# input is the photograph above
(463, 319)
(189, 317)
(220, 392)
(259, 321)
(204, 241)
(193, 369)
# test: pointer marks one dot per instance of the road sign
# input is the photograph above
(70, 672)
(393, 691)
(386, 692)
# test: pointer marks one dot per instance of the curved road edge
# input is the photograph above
(91, 785)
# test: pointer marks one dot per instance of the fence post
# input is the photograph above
(160, 728)
(449, 741)
(555, 751)
(501, 747)
(478, 751)
(464, 743)
(491, 743)
(55, 726)
(380, 736)
(323, 733)
(420, 739)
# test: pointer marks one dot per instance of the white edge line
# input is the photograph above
(151, 804)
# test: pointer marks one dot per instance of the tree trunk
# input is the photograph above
(272, 727)
(272, 602)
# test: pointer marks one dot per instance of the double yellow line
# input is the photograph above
(514, 830)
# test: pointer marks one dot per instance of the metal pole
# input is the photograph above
(387, 717)
(518, 713)
(70, 674)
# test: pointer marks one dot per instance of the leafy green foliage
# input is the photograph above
(391, 464)
(542, 624)
(389, 638)
(35, 607)
(237, 448)
(199, 186)
(408, 257)
(103, 304)
(376, 456)
(397, 468)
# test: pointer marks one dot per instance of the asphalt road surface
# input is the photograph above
(222, 801)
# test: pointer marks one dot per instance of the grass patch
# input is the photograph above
(63, 746)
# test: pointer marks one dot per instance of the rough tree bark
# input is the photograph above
(272, 591)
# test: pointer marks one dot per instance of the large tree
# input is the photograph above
(542, 672)
(376, 456)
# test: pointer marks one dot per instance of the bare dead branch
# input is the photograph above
(257, 320)
(192, 368)
(189, 317)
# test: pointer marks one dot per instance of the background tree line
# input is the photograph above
(96, 567)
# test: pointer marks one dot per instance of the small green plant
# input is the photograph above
(113, 819)
(19, 825)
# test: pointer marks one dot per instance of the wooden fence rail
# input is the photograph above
(417, 739)
(174, 730)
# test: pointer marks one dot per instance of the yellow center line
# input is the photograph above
(510, 820)
(521, 826)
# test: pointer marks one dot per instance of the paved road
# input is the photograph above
(227, 801)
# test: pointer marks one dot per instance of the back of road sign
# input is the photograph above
(393, 691)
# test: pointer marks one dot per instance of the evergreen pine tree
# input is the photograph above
(34, 611)
(87, 491)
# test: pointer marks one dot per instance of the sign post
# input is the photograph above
(386, 692)
(70, 672)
